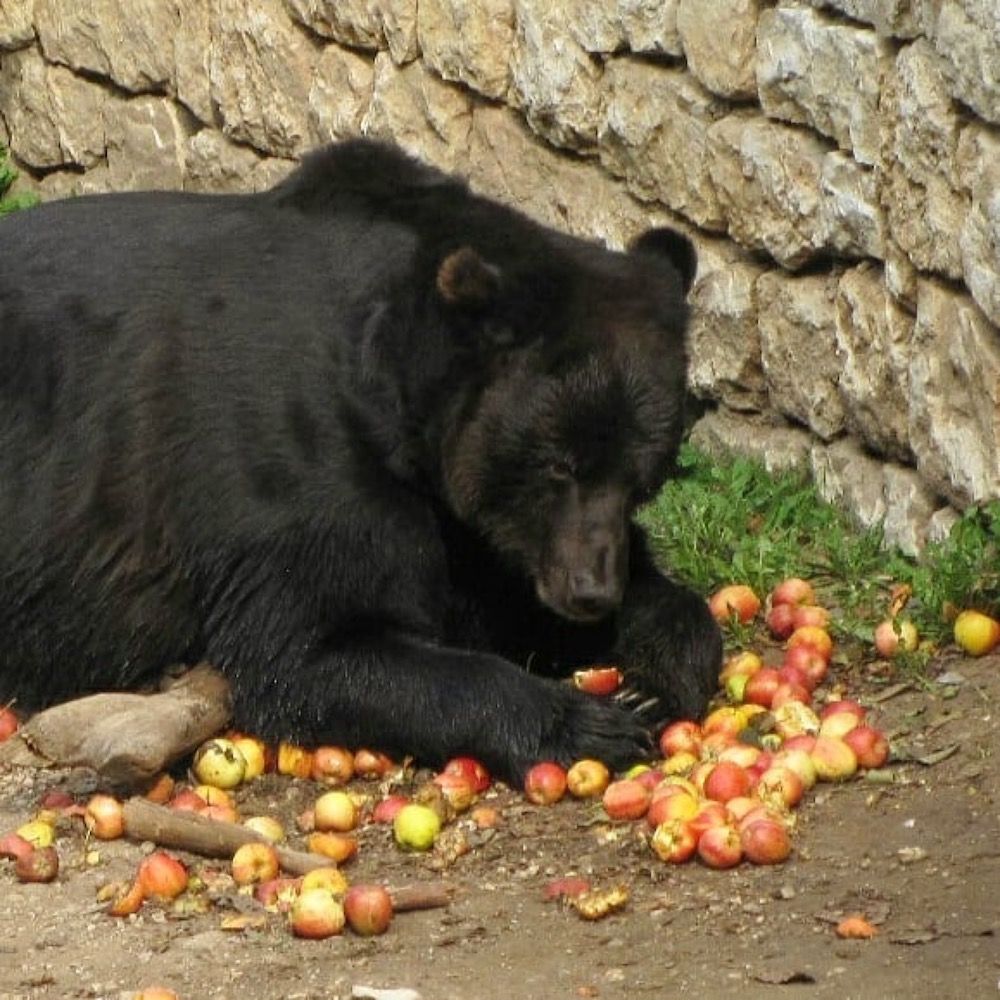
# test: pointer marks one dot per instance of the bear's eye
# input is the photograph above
(559, 470)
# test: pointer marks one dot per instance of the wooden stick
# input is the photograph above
(187, 831)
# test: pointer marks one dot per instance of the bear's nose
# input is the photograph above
(592, 596)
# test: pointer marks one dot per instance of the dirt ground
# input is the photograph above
(919, 856)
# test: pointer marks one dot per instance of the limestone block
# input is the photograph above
(426, 116)
(555, 81)
(901, 277)
(850, 479)
(895, 18)
(719, 40)
(16, 24)
(261, 74)
(71, 184)
(146, 144)
(468, 43)
(126, 40)
(853, 221)
(776, 445)
(399, 22)
(53, 116)
(979, 161)
(214, 164)
(363, 24)
(966, 34)
(955, 396)
(340, 93)
(873, 337)
(651, 26)
(724, 335)
(192, 45)
(924, 208)
(812, 71)
(655, 135)
(767, 178)
(940, 523)
(797, 322)
(909, 507)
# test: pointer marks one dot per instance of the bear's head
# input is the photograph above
(574, 413)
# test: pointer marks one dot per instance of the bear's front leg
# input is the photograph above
(408, 695)
(667, 642)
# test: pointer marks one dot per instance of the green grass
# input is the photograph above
(8, 174)
(731, 521)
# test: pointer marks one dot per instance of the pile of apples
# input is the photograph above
(726, 786)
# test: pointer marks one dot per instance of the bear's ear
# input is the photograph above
(675, 246)
(464, 279)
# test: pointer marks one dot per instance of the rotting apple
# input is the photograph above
(545, 783)
(220, 763)
(895, 635)
(39, 865)
(328, 877)
(780, 785)
(267, 826)
(368, 909)
(14, 846)
(385, 810)
(371, 763)
(338, 847)
(332, 765)
(127, 899)
(457, 789)
(293, 760)
(674, 841)
(278, 894)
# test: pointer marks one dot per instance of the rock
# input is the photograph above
(215, 164)
(363, 24)
(896, 18)
(955, 396)
(966, 34)
(415, 108)
(853, 222)
(17, 28)
(873, 337)
(146, 144)
(192, 48)
(340, 94)
(126, 40)
(909, 507)
(850, 479)
(797, 322)
(924, 208)
(261, 75)
(651, 26)
(655, 135)
(719, 40)
(468, 43)
(555, 81)
(812, 71)
(777, 446)
(979, 241)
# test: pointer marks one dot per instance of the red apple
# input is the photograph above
(625, 799)
(869, 745)
(187, 800)
(838, 723)
(472, 769)
(587, 778)
(742, 754)
(976, 633)
(368, 909)
(726, 781)
(801, 741)
(162, 876)
(765, 842)
(545, 783)
(338, 847)
(598, 680)
(895, 635)
(335, 810)
(780, 785)
(793, 590)
(735, 599)
(39, 865)
(812, 635)
(681, 736)
(787, 691)
(833, 758)
(674, 841)
(316, 914)
(719, 846)
(255, 863)
(671, 807)
(294, 761)
(709, 814)
(372, 764)
(780, 620)
(810, 614)
(457, 789)
(277, 894)
(726, 719)
(812, 665)
(105, 817)
(843, 705)
(650, 777)
(14, 846)
(8, 722)
(761, 687)
(127, 900)
(332, 765)
(385, 810)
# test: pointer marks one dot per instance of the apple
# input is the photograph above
(485, 817)
(725, 720)
(416, 827)
(674, 841)
(278, 894)
(457, 790)
(761, 687)
(709, 814)
(895, 635)
(316, 914)
(801, 741)
(671, 807)
(162, 876)
(719, 846)
(328, 877)
(761, 810)
(976, 633)
(814, 636)
(187, 800)
(780, 620)
(368, 909)
(104, 816)
(8, 722)
(765, 842)
(793, 590)
(267, 826)
(869, 745)
(598, 680)
(787, 691)
(833, 758)
(810, 614)
(371, 764)
(680, 736)
(127, 900)
(161, 789)
(335, 811)
(385, 810)
(587, 778)
(735, 599)
(220, 763)
(254, 863)
(293, 760)
(794, 719)
(740, 806)
(337, 847)
(625, 799)
(331, 765)
(39, 865)
(799, 761)
(545, 783)
(742, 754)
(726, 781)
(679, 763)
(213, 796)
(156, 993)
(14, 846)
(735, 687)
(804, 659)
(855, 926)
(254, 753)
(838, 724)
(790, 674)
(472, 769)
(743, 664)
(673, 783)
(650, 777)
(38, 833)
(780, 785)
(566, 887)
(843, 705)
(220, 813)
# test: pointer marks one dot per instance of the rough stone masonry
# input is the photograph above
(837, 161)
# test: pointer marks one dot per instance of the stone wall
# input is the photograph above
(838, 162)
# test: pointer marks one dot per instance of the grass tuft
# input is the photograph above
(8, 174)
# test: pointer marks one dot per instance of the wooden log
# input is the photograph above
(187, 831)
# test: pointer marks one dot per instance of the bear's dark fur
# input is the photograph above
(368, 442)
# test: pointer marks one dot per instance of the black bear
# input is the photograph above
(368, 442)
